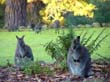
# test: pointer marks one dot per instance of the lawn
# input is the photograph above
(36, 42)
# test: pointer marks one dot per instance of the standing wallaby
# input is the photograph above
(22, 51)
(78, 59)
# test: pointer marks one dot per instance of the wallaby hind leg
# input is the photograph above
(17, 62)
(88, 70)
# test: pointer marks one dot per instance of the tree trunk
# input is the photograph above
(31, 13)
(15, 14)
(33, 9)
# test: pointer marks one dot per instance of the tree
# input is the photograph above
(33, 8)
(71, 20)
(15, 14)
(2, 6)
(2, 1)
(102, 13)
(56, 8)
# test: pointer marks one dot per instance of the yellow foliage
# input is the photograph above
(42, 12)
(55, 8)
(2, 1)
(46, 1)
(31, 1)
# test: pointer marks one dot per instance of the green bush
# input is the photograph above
(71, 20)
(95, 44)
(99, 13)
(58, 50)
(35, 68)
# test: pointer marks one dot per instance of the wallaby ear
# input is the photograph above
(23, 36)
(17, 37)
(78, 39)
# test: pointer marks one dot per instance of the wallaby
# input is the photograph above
(37, 28)
(78, 59)
(56, 25)
(32, 26)
(22, 51)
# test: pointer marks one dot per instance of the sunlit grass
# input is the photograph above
(36, 42)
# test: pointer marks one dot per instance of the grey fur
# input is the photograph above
(22, 51)
(37, 27)
(78, 59)
(55, 24)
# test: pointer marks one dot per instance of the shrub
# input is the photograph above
(95, 44)
(71, 20)
(58, 50)
(36, 68)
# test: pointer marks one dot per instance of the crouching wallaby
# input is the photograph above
(22, 51)
(78, 59)
(37, 28)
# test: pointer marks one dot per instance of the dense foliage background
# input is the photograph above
(39, 11)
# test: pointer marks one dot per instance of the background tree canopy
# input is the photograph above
(48, 11)
(102, 13)
(56, 9)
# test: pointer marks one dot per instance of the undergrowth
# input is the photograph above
(58, 50)
(36, 68)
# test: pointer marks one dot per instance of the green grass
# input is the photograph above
(36, 41)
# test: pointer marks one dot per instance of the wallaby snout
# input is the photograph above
(20, 40)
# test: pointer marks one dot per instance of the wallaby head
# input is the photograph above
(76, 47)
(20, 40)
